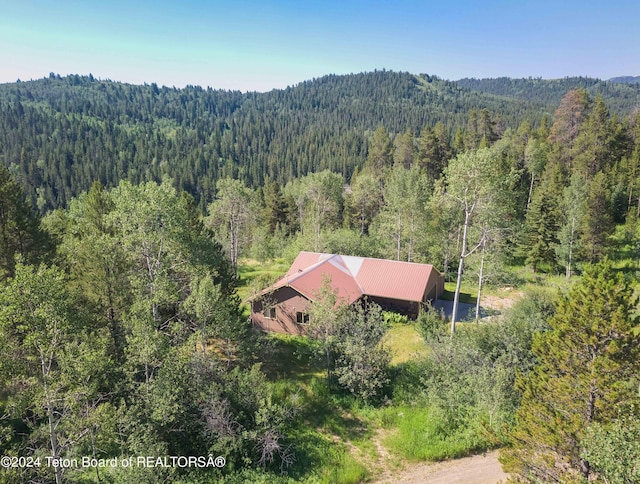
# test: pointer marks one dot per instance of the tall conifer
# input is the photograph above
(586, 373)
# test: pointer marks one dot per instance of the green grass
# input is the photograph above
(334, 433)
(418, 434)
(254, 275)
(343, 468)
(291, 358)
(405, 343)
(468, 292)
(328, 427)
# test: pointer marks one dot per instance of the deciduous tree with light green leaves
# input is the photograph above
(402, 218)
(363, 201)
(475, 183)
(613, 450)
(573, 211)
(325, 318)
(231, 214)
(52, 365)
(319, 202)
(362, 362)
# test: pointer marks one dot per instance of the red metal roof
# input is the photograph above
(354, 277)
(394, 279)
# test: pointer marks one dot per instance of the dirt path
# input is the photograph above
(478, 469)
(506, 297)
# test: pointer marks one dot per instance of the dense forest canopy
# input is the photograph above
(620, 95)
(59, 134)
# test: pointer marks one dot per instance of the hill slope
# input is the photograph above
(58, 134)
(621, 98)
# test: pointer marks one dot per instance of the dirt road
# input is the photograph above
(478, 469)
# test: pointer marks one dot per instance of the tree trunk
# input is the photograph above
(204, 338)
(410, 243)
(445, 269)
(570, 254)
(481, 275)
(456, 297)
(585, 466)
(53, 437)
(398, 237)
(152, 278)
(317, 244)
(233, 245)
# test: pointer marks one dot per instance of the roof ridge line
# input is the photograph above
(353, 276)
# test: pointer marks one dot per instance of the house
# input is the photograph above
(396, 286)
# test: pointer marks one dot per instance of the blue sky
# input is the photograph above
(262, 45)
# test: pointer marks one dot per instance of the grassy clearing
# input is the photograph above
(337, 439)
(405, 343)
(418, 434)
(291, 358)
(329, 460)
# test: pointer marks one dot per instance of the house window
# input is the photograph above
(302, 318)
(269, 312)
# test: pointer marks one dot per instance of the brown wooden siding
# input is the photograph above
(287, 302)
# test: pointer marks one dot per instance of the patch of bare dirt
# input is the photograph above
(505, 298)
(477, 469)
(385, 465)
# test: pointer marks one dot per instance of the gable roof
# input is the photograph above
(354, 277)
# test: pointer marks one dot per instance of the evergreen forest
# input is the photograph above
(137, 220)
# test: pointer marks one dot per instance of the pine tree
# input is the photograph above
(19, 227)
(380, 157)
(586, 373)
(275, 206)
(567, 121)
(404, 150)
(595, 146)
(597, 223)
(542, 220)
(433, 150)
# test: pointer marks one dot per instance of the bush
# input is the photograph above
(431, 324)
(362, 362)
(391, 318)
(614, 449)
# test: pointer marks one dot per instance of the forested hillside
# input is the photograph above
(58, 135)
(626, 80)
(621, 96)
(131, 216)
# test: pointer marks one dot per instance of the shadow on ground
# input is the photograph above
(466, 311)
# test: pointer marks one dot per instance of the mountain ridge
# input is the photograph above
(59, 134)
